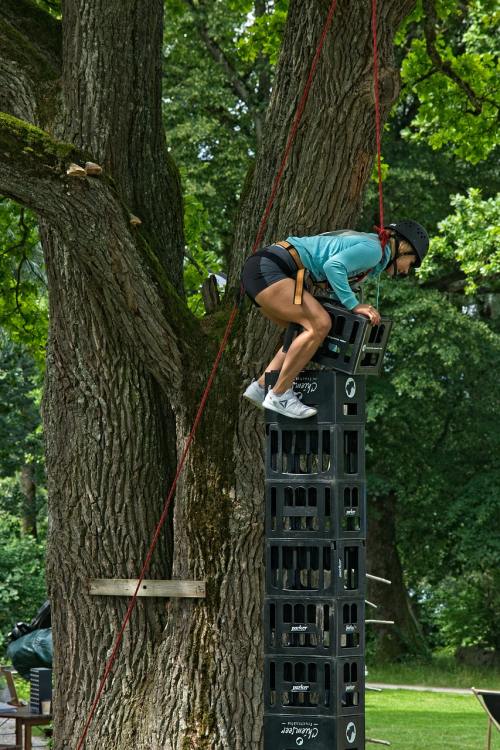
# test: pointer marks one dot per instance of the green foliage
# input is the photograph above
(447, 117)
(51, 6)
(418, 181)
(22, 584)
(466, 602)
(468, 239)
(23, 300)
(210, 110)
(209, 129)
(20, 394)
(433, 438)
(263, 35)
(200, 262)
(466, 609)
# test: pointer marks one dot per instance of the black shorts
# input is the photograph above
(266, 267)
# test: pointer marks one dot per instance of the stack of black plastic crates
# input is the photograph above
(315, 569)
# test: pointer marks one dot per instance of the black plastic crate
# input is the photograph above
(322, 451)
(314, 509)
(339, 398)
(353, 345)
(324, 627)
(305, 685)
(314, 733)
(322, 567)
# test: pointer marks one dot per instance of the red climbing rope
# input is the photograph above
(382, 233)
(295, 126)
(234, 312)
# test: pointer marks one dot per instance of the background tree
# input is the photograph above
(20, 430)
(432, 417)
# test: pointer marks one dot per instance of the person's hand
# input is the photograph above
(369, 312)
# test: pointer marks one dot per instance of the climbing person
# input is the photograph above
(273, 278)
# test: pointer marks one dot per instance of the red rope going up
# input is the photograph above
(295, 125)
(382, 233)
(234, 312)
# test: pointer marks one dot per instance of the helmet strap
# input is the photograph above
(394, 242)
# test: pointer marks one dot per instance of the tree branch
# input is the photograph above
(217, 53)
(430, 25)
(31, 162)
(91, 221)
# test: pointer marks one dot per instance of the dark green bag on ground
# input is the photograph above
(31, 650)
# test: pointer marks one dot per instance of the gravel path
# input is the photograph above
(418, 688)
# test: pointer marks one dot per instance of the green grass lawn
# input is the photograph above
(442, 671)
(427, 721)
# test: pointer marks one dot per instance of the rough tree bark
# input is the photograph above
(126, 362)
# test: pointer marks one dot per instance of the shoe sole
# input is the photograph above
(258, 404)
(287, 414)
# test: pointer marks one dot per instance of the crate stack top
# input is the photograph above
(353, 345)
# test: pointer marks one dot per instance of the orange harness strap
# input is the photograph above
(299, 279)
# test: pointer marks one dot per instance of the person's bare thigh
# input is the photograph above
(278, 321)
(277, 302)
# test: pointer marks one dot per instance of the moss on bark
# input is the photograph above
(177, 310)
(20, 141)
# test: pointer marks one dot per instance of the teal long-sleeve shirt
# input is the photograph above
(337, 256)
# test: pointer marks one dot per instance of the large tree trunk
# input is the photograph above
(219, 642)
(124, 357)
(110, 443)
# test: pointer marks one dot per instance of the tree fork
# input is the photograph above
(189, 677)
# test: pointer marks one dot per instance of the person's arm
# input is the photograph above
(337, 276)
(357, 255)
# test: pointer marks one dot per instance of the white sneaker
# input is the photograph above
(255, 393)
(288, 404)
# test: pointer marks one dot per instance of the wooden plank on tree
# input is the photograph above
(127, 586)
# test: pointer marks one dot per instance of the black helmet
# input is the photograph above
(416, 236)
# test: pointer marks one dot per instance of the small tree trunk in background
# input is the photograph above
(405, 637)
(28, 489)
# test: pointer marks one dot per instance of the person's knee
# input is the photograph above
(322, 326)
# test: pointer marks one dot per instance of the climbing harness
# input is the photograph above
(299, 279)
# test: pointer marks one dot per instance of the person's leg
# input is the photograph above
(278, 359)
(277, 302)
(275, 364)
(255, 392)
